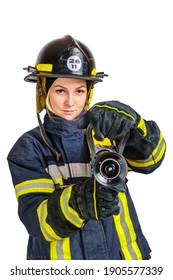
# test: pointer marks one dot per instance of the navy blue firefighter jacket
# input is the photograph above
(36, 173)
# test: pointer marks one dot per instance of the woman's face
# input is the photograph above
(67, 97)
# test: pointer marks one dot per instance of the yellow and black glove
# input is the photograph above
(93, 201)
(111, 119)
(71, 206)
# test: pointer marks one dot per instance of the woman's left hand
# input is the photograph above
(111, 119)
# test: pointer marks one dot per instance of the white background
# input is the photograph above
(132, 41)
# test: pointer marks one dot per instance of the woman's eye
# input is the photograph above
(80, 92)
(60, 91)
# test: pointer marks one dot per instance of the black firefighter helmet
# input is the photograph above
(64, 58)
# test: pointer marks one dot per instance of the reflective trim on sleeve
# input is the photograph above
(48, 232)
(60, 250)
(69, 213)
(126, 232)
(155, 157)
(141, 126)
(76, 169)
(33, 186)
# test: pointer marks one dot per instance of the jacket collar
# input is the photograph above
(58, 125)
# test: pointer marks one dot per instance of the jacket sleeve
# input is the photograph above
(39, 201)
(145, 148)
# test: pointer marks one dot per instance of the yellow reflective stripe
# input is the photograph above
(94, 199)
(66, 248)
(126, 232)
(53, 250)
(59, 181)
(47, 231)
(36, 185)
(69, 213)
(141, 126)
(137, 250)
(44, 67)
(60, 250)
(115, 109)
(159, 150)
(155, 157)
(121, 233)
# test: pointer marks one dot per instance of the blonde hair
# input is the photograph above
(48, 105)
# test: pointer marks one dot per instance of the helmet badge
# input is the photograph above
(74, 63)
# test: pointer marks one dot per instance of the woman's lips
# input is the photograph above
(68, 111)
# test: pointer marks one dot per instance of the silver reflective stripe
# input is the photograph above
(76, 170)
(36, 185)
(80, 169)
(126, 232)
(59, 250)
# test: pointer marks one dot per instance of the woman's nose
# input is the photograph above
(70, 100)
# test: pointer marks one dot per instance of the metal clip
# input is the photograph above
(30, 69)
(101, 75)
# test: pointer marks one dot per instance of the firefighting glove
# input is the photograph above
(111, 119)
(94, 201)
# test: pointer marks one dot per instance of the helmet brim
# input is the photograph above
(33, 77)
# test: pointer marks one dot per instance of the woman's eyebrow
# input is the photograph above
(60, 86)
(66, 88)
(82, 86)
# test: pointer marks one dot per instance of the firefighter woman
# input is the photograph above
(68, 214)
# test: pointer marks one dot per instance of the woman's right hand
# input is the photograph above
(91, 200)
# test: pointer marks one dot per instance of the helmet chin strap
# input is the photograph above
(42, 130)
(46, 138)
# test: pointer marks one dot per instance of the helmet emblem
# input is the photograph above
(74, 63)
